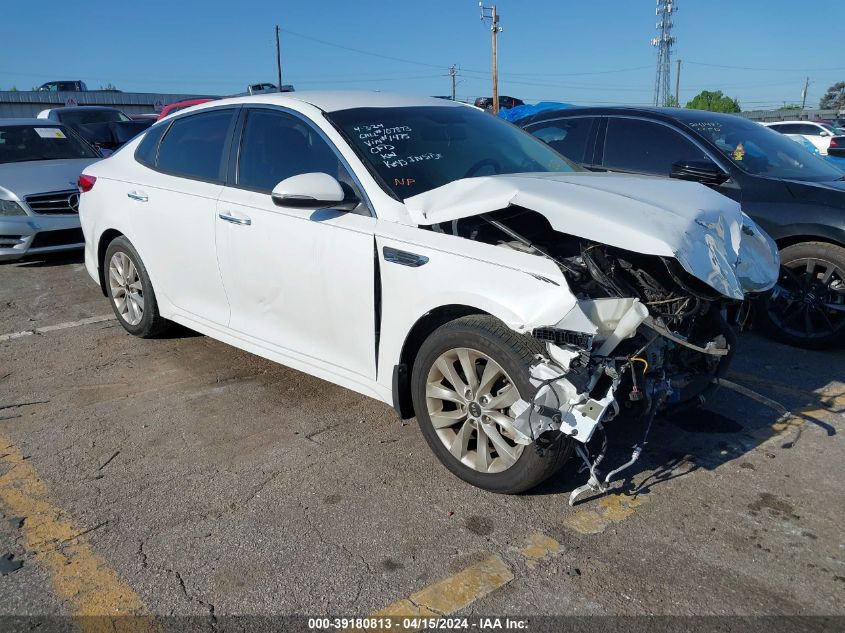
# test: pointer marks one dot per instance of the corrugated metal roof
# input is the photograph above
(25, 103)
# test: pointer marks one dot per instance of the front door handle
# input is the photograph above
(140, 197)
(234, 220)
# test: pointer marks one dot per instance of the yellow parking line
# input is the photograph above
(453, 593)
(538, 547)
(611, 509)
(79, 576)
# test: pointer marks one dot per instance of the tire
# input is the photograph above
(798, 311)
(147, 323)
(483, 339)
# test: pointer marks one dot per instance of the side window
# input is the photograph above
(566, 136)
(148, 147)
(643, 146)
(810, 130)
(276, 146)
(193, 146)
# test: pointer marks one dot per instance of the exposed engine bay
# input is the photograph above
(644, 335)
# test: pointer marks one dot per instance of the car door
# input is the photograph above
(299, 281)
(573, 137)
(174, 204)
(639, 146)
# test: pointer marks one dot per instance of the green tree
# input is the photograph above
(13, 89)
(790, 106)
(713, 102)
(671, 102)
(108, 86)
(834, 98)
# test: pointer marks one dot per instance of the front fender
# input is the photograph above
(524, 291)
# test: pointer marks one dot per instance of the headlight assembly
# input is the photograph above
(10, 207)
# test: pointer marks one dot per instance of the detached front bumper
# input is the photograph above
(29, 235)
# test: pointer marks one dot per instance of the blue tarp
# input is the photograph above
(523, 111)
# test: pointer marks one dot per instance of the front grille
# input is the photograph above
(64, 237)
(55, 202)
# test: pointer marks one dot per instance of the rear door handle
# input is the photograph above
(232, 219)
(140, 197)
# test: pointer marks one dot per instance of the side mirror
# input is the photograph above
(703, 171)
(314, 190)
(824, 133)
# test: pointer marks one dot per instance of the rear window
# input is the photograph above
(148, 147)
(21, 143)
(193, 146)
(84, 117)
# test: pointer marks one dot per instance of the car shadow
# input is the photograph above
(48, 260)
(178, 331)
(727, 428)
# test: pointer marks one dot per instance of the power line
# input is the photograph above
(780, 70)
(363, 52)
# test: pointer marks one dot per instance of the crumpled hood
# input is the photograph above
(705, 231)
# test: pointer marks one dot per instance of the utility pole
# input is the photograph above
(663, 42)
(804, 92)
(678, 85)
(278, 60)
(453, 73)
(489, 13)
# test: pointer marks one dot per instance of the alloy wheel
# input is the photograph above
(809, 299)
(127, 291)
(468, 397)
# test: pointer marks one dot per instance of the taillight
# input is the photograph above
(86, 183)
(833, 143)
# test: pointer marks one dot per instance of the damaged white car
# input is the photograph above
(434, 257)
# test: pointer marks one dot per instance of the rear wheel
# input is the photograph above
(807, 307)
(465, 379)
(130, 290)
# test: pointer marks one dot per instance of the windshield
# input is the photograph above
(416, 149)
(19, 143)
(758, 150)
(84, 117)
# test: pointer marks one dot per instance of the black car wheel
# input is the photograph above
(131, 291)
(807, 307)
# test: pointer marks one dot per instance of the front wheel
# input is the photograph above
(807, 307)
(131, 291)
(465, 379)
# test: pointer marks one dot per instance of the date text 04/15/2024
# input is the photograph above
(375, 623)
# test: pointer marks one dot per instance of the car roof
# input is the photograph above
(682, 115)
(332, 101)
(86, 108)
(791, 122)
(28, 121)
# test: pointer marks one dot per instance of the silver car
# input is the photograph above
(40, 162)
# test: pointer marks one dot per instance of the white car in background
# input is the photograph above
(426, 254)
(819, 134)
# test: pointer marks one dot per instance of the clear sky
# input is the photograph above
(585, 52)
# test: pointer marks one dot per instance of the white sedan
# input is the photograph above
(431, 256)
(819, 134)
